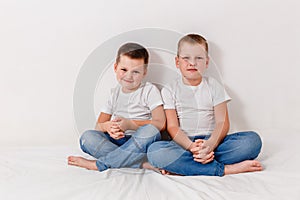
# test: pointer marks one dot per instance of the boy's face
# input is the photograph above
(130, 73)
(192, 61)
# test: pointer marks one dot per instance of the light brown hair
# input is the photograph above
(192, 39)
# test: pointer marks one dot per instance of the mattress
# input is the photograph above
(42, 173)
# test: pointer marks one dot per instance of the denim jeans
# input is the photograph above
(129, 151)
(234, 148)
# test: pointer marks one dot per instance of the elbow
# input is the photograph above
(164, 126)
(160, 125)
(225, 127)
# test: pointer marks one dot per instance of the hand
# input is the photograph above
(114, 130)
(201, 152)
(204, 156)
(125, 124)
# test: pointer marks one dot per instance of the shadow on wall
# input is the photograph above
(161, 68)
(238, 119)
(237, 115)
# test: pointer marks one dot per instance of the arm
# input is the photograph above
(111, 127)
(158, 120)
(221, 127)
(175, 132)
(203, 153)
(103, 122)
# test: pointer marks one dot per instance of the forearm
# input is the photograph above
(180, 137)
(102, 122)
(100, 127)
(218, 135)
(158, 124)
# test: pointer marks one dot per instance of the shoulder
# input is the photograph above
(149, 90)
(147, 87)
(208, 79)
(211, 82)
(172, 86)
(115, 89)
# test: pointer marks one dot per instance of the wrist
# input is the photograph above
(191, 146)
(212, 143)
(133, 125)
(102, 127)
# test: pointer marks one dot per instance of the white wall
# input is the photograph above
(44, 44)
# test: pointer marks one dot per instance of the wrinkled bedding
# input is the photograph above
(42, 173)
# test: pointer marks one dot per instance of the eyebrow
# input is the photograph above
(134, 69)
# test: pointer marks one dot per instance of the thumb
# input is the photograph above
(117, 119)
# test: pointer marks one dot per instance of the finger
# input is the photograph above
(119, 133)
(195, 150)
(199, 140)
(115, 126)
(114, 134)
(115, 130)
(208, 160)
(200, 160)
(120, 136)
(203, 154)
(204, 150)
(117, 119)
(204, 161)
(116, 137)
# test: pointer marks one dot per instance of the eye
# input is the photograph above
(123, 69)
(199, 58)
(136, 72)
(185, 58)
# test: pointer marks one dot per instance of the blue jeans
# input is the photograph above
(234, 148)
(129, 151)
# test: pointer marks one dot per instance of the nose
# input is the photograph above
(192, 62)
(128, 75)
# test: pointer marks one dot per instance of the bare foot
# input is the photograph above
(241, 167)
(147, 165)
(82, 162)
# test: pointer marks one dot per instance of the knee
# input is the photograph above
(147, 131)
(253, 144)
(255, 140)
(155, 154)
(86, 138)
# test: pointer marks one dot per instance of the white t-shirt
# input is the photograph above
(136, 105)
(194, 104)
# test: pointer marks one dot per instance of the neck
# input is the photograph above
(192, 82)
(125, 90)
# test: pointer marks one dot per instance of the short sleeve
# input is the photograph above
(108, 106)
(153, 97)
(168, 98)
(218, 92)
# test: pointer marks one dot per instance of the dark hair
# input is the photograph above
(134, 51)
(193, 39)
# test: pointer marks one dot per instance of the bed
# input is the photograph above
(42, 173)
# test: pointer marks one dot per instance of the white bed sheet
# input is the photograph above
(42, 173)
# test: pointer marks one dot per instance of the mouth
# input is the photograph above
(127, 81)
(192, 70)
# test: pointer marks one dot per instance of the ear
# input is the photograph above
(207, 61)
(115, 67)
(177, 62)
(145, 71)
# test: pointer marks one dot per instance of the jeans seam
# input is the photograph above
(99, 146)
